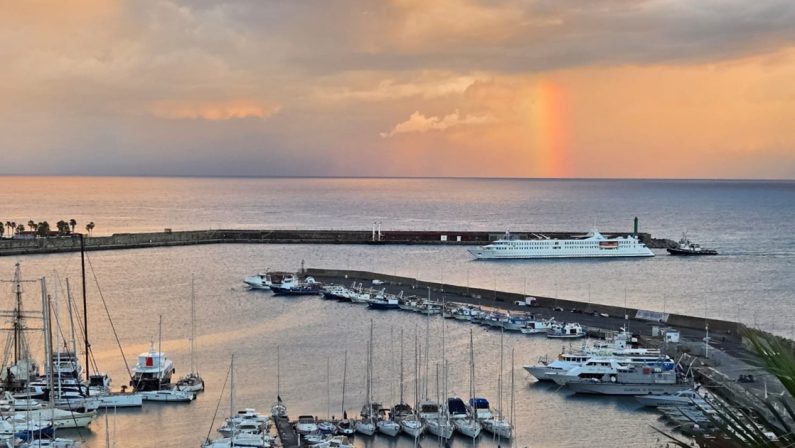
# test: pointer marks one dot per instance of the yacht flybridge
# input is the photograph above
(594, 244)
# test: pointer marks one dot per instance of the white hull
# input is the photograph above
(499, 428)
(60, 419)
(440, 428)
(120, 400)
(365, 428)
(467, 427)
(412, 427)
(168, 396)
(519, 256)
(605, 388)
(388, 427)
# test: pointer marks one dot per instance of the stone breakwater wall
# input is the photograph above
(181, 238)
(502, 299)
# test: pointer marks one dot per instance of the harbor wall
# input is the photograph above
(117, 241)
(503, 299)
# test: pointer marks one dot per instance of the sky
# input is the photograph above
(481, 88)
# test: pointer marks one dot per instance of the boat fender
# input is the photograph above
(612, 378)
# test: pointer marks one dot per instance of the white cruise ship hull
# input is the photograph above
(481, 254)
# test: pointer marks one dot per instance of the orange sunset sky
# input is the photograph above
(490, 88)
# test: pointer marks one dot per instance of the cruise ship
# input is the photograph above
(594, 244)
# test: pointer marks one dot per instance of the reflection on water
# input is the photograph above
(140, 285)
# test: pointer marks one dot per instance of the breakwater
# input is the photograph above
(591, 314)
(119, 241)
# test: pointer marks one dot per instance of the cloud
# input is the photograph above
(179, 110)
(419, 123)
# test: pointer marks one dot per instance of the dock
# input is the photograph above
(286, 432)
(119, 241)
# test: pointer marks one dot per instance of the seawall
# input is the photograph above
(119, 241)
(502, 299)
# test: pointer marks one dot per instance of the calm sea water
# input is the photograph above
(750, 223)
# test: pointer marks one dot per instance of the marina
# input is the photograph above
(524, 299)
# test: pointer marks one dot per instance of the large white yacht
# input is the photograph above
(594, 244)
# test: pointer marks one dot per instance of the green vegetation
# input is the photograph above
(755, 421)
(41, 229)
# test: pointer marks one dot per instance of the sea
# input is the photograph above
(130, 292)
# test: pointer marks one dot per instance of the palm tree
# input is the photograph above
(20, 228)
(773, 415)
(2, 229)
(43, 229)
(72, 224)
(14, 227)
(32, 225)
(63, 227)
(90, 227)
(8, 225)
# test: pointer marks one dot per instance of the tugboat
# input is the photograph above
(687, 247)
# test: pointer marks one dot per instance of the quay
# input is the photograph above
(287, 434)
(718, 366)
(118, 241)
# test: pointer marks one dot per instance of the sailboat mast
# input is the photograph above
(278, 374)
(232, 397)
(85, 304)
(45, 308)
(512, 371)
(159, 350)
(17, 314)
(328, 387)
(192, 323)
(344, 380)
(471, 366)
(499, 377)
(401, 366)
(427, 342)
(71, 316)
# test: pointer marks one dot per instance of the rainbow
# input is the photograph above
(547, 126)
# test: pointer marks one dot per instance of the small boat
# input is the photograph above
(152, 372)
(384, 303)
(345, 426)
(568, 330)
(686, 247)
(385, 425)
(326, 427)
(412, 426)
(480, 408)
(681, 398)
(306, 288)
(538, 326)
(192, 382)
(306, 425)
(499, 427)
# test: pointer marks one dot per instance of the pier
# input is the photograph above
(286, 432)
(119, 241)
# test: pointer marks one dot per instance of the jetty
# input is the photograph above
(287, 434)
(375, 236)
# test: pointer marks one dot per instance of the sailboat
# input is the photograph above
(345, 426)
(236, 437)
(439, 424)
(411, 423)
(386, 423)
(370, 409)
(50, 415)
(465, 421)
(499, 426)
(192, 382)
(21, 369)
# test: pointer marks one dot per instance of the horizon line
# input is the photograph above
(211, 176)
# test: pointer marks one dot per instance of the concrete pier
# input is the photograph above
(286, 432)
(120, 241)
